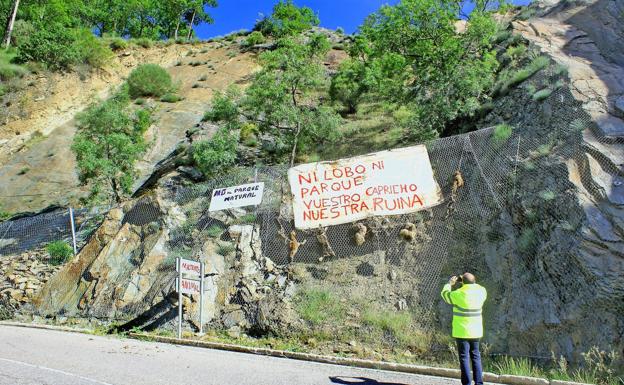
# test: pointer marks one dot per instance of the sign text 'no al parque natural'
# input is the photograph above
(385, 183)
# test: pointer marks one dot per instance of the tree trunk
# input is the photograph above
(294, 150)
(10, 23)
(175, 34)
(188, 37)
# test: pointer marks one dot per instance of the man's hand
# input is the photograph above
(453, 280)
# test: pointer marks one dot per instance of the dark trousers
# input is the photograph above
(469, 353)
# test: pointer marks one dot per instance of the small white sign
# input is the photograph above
(190, 267)
(190, 286)
(236, 196)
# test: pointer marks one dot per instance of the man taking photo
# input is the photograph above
(467, 301)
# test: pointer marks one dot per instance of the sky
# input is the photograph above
(233, 15)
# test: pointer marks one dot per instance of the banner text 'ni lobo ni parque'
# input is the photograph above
(385, 183)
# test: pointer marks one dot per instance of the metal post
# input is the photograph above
(71, 219)
(201, 299)
(179, 267)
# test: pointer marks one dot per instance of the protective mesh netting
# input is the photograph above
(518, 207)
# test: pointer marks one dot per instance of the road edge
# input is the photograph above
(353, 362)
(342, 361)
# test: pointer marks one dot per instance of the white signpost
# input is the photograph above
(190, 281)
(390, 182)
(236, 196)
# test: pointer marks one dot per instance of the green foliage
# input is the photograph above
(542, 94)
(118, 43)
(515, 78)
(107, 145)
(214, 231)
(4, 215)
(412, 55)
(398, 324)
(547, 195)
(254, 38)
(92, 50)
(287, 20)
(143, 42)
(60, 252)
(318, 306)
(8, 69)
(501, 133)
(577, 125)
(517, 367)
(53, 45)
(351, 82)
(527, 242)
(149, 80)
(171, 98)
(224, 107)
(215, 155)
(248, 131)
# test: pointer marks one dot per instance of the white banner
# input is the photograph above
(236, 196)
(385, 183)
(190, 267)
(189, 286)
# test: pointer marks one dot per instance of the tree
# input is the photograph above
(287, 20)
(282, 98)
(10, 23)
(415, 57)
(107, 145)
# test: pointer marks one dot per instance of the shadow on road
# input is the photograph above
(359, 381)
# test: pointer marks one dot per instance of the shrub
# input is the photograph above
(256, 37)
(139, 101)
(542, 94)
(519, 76)
(318, 305)
(398, 324)
(118, 43)
(501, 133)
(53, 45)
(144, 42)
(517, 367)
(248, 131)
(224, 107)
(8, 69)
(215, 155)
(60, 252)
(225, 249)
(149, 80)
(214, 231)
(92, 50)
(171, 98)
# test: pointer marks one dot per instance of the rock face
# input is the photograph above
(540, 221)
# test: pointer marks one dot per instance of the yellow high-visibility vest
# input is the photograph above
(467, 304)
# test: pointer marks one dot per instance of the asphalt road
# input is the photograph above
(35, 356)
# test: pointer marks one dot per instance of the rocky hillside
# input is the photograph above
(539, 220)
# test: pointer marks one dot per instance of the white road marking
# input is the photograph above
(55, 371)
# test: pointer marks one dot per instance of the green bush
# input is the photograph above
(171, 98)
(91, 49)
(519, 76)
(225, 249)
(256, 37)
(8, 69)
(215, 155)
(60, 252)
(53, 45)
(542, 94)
(144, 42)
(149, 80)
(118, 43)
(318, 305)
(501, 133)
(214, 231)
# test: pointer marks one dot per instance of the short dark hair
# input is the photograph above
(468, 278)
